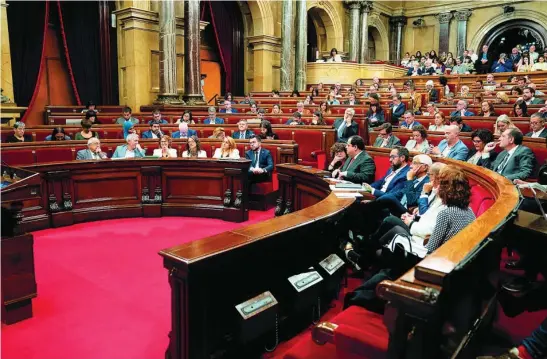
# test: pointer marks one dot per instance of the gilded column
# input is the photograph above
(286, 83)
(354, 7)
(397, 24)
(192, 69)
(301, 45)
(168, 54)
(366, 7)
(462, 16)
(444, 31)
(7, 77)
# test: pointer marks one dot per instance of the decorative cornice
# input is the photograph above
(136, 13)
(444, 18)
(463, 15)
(352, 4)
(445, 6)
(265, 39)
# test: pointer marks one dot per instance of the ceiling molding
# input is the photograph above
(455, 6)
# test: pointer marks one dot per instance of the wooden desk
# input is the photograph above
(9, 113)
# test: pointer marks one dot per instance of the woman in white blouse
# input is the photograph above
(165, 150)
(193, 149)
(334, 57)
(228, 149)
(419, 142)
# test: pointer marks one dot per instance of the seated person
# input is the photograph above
(537, 125)
(93, 151)
(451, 146)
(395, 178)
(19, 134)
(156, 116)
(409, 120)
(213, 119)
(487, 109)
(503, 122)
(432, 93)
(430, 109)
(339, 156)
(228, 149)
(300, 109)
(418, 142)
(130, 150)
(184, 131)
(186, 117)
(346, 127)
(385, 137)
(126, 117)
(193, 149)
(165, 150)
(455, 194)
(228, 108)
(458, 121)
(397, 109)
(253, 108)
(154, 131)
(261, 161)
(317, 119)
(360, 166)
(480, 138)
(439, 122)
(334, 57)
(58, 134)
(92, 116)
(90, 106)
(243, 132)
(266, 132)
(375, 115)
(351, 100)
(218, 134)
(128, 127)
(528, 95)
(247, 100)
(515, 161)
(276, 109)
(520, 109)
(260, 113)
(295, 120)
(85, 133)
(461, 110)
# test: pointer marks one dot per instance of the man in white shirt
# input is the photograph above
(537, 125)
(528, 94)
(93, 151)
(243, 132)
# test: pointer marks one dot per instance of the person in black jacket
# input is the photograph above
(480, 138)
(484, 62)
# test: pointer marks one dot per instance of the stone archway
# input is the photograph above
(380, 35)
(328, 24)
(484, 32)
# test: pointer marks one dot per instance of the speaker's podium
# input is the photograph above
(18, 186)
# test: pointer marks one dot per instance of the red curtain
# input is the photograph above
(67, 55)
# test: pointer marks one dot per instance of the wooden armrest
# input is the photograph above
(388, 290)
(324, 333)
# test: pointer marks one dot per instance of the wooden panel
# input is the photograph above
(106, 187)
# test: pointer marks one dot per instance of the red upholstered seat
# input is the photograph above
(54, 154)
(481, 199)
(382, 165)
(360, 334)
(18, 157)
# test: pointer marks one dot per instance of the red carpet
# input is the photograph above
(102, 289)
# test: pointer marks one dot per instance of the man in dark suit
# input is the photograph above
(244, 133)
(154, 131)
(261, 161)
(386, 139)
(346, 127)
(397, 109)
(458, 121)
(351, 100)
(537, 125)
(484, 62)
(213, 119)
(515, 161)
(395, 178)
(359, 166)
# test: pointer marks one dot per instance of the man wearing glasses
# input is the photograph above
(385, 139)
(359, 167)
(395, 178)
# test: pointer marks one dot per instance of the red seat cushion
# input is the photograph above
(264, 188)
(54, 154)
(481, 199)
(360, 334)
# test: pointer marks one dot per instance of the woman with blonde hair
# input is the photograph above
(218, 134)
(503, 123)
(228, 149)
(165, 150)
(464, 91)
(501, 97)
(193, 148)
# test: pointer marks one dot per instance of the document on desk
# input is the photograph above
(348, 194)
